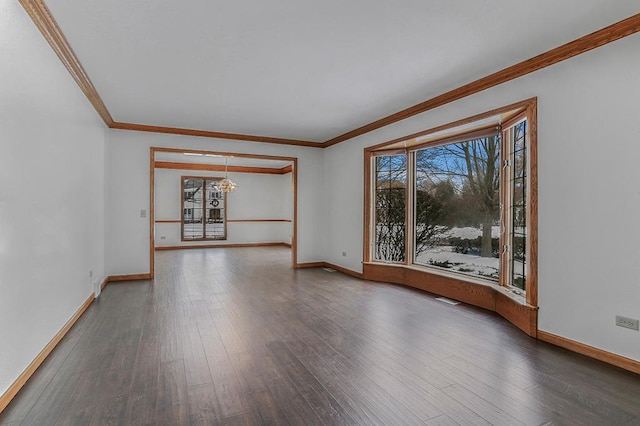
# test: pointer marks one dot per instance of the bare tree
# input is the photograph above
(390, 226)
(473, 167)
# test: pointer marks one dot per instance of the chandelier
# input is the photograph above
(226, 185)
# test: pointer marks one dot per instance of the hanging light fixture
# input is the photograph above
(226, 185)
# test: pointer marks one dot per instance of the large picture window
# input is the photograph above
(203, 210)
(456, 201)
(457, 206)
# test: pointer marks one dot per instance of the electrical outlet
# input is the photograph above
(143, 213)
(344, 254)
(90, 273)
(627, 322)
(162, 237)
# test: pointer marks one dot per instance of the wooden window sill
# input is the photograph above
(477, 292)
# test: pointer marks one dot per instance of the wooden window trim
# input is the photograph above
(507, 200)
(369, 186)
(521, 312)
(482, 132)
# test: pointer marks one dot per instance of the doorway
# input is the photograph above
(254, 218)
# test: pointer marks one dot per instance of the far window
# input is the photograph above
(204, 210)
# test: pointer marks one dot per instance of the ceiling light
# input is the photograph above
(226, 185)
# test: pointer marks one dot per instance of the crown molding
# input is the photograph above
(47, 25)
(44, 20)
(596, 39)
(212, 134)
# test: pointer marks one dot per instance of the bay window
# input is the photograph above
(457, 202)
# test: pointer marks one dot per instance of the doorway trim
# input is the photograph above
(152, 169)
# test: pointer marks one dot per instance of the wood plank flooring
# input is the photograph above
(236, 337)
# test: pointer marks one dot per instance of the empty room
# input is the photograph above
(318, 213)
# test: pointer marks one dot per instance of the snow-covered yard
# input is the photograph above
(470, 233)
(446, 257)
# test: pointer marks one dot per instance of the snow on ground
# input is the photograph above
(446, 257)
(467, 263)
(471, 233)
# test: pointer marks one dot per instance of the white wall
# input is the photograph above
(589, 190)
(260, 196)
(127, 249)
(51, 194)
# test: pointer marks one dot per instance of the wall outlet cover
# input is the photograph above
(626, 322)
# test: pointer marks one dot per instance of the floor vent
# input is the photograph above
(449, 301)
(329, 269)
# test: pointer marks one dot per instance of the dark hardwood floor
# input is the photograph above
(236, 337)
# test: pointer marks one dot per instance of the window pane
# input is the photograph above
(215, 226)
(192, 209)
(390, 208)
(457, 207)
(518, 235)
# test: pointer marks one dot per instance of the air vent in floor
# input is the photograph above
(449, 301)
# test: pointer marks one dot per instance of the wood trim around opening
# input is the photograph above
(152, 212)
(599, 354)
(292, 168)
(220, 168)
(223, 154)
(22, 379)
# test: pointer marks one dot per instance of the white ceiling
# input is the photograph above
(303, 69)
